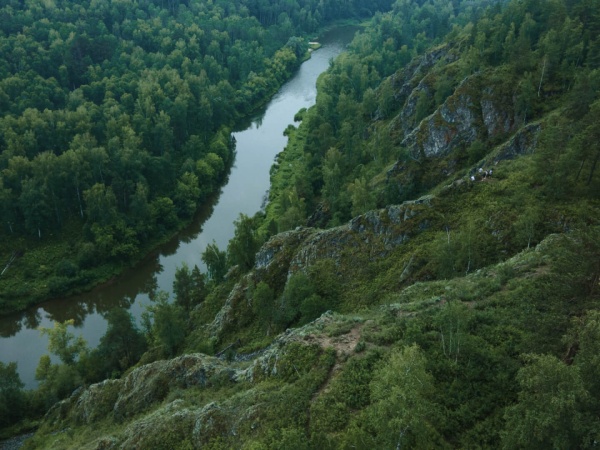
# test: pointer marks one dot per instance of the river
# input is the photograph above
(244, 192)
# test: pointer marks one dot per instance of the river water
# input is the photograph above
(244, 192)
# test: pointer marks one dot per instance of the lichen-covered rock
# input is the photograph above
(277, 251)
(496, 118)
(271, 266)
(151, 383)
(475, 110)
(452, 125)
(523, 142)
(164, 428)
(95, 402)
(266, 364)
(212, 420)
(407, 116)
(405, 80)
(146, 423)
(324, 244)
(106, 443)
(139, 390)
(386, 223)
(372, 235)
(414, 80)
(222, 318)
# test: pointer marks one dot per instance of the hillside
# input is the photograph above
(426, 272)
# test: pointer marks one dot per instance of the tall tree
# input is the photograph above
(216, 262)
(549, 411)
(122, 345)
(244, 244)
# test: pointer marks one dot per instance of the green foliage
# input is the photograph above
(288, 438)
(124, 129)
(63, 343)
(189, 287)
(165, 325)
(263, 304)
(13, 401)
(244, 244)
(476, 151)
(57, 381)
(216, 262)
(527, 225)
(300, 361)
(548, 414)
(454, 349)
(461, 252)
(121, 346)
(297, 289)
(306, 297)
(349, 391)
(361, 197)
(402, 411)
(577, 268)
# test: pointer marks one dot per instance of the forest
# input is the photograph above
(115, 121)
(425, 273)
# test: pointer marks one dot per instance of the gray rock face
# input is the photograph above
(273, 250)
(272, 262)
(409, 110)
(373, 234)
(413, 81)
(412, 75)
(452, 125)
(496, 120)
(475, 110)
(523, 142)
(97, 401)
(139, 390)
(384, 223)
(170, 422)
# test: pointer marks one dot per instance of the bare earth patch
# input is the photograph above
(342, 344)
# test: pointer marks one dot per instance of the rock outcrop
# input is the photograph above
(371, 235)
(145, 417)
(523, 142)
(140, 389)
(473, 111)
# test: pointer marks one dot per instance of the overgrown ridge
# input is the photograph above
(201, 399)
(427, 273)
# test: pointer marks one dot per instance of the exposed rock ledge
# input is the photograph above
(134, 402)
(372, 235)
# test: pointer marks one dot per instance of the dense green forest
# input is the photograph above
(115, 118)
(425, 275)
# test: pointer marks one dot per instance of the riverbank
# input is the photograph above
(243, 193)
(38, 276)
(45, 268)
(15, 442)
(48, 271)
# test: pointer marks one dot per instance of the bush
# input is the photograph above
(13, 402)
(66, 268)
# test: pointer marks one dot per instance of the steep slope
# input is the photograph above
(466, 303)
(322, 381)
